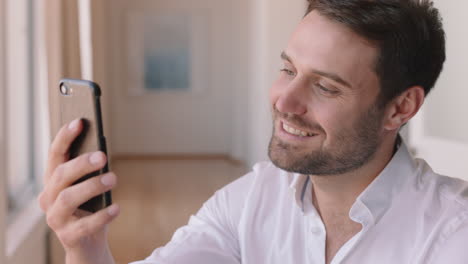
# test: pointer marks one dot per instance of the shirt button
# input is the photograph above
(316, 230)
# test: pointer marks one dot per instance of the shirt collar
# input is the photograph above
(379, 195)
(375, 200)
(298, 188)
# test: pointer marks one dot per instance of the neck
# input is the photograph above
(333, 195)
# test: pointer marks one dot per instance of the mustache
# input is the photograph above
(296, 120)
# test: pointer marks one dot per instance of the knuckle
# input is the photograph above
(46, 176)
(65, 197)
(43, 203)
(53, 152)
(53, 147)
(52, 221)
(96, 187)
(83, 229)
(60, 171)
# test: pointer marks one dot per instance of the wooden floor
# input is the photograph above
(158, 196)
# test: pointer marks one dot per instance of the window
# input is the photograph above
(20, 104)
(24, 135)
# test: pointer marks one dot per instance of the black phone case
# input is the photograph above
(83, 101)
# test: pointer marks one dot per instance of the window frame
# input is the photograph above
(23, 232)
(3, 190)
(26, 188)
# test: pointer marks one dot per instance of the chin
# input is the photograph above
(283, 155)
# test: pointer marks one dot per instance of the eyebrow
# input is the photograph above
(328, 75)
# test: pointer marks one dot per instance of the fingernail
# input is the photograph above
(113, 210)
(74, 124)
(96, 158)
(108, 179)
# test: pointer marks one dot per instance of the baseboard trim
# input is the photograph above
(165, 157)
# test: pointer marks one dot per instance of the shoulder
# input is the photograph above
(450, 247)
(436, 207)
(228, 203)
(447, 205)
(448, 191)
(265, 182)
(261, 174)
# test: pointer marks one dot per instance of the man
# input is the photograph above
(341, 187)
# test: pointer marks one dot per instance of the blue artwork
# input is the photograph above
(167, 54)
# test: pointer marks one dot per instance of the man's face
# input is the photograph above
(325, 116)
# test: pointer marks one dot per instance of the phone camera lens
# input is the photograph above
(64, 89)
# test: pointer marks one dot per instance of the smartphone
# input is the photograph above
(81, 99)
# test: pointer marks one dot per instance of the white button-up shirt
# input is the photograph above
(408, 214)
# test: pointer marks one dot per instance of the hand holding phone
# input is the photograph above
(80, 99)
(71, 178)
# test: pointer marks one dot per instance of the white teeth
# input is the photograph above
(295, 131)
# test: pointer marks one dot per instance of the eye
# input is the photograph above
(326, 90)
(287, 71)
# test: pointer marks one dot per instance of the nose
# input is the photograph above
(292, 100)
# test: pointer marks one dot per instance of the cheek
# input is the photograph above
(334, 119)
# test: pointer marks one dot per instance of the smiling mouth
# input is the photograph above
(297, 132)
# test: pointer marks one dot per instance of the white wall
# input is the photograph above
(439, 133)
(200, 123)
(233, 117)
(447, 102)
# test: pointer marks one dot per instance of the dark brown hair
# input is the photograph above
(408, 33)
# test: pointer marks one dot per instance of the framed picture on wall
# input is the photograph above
(167, 52)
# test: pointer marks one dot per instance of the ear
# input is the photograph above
(401, 109)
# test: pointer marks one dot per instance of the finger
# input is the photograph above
(71, 198)
(88, 226)
(58, 152)
(68, 173)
